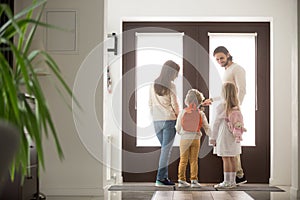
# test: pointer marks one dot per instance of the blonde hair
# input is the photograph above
(229, 93)
(193, 96)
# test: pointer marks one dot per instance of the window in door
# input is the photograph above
(242, 48)
(154, 49)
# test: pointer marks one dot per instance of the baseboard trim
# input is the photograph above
(295, 193)
(273, 181)
(73, 191)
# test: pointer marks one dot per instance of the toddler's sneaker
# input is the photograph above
(225, 185)
(183, 184)
(164, 182)
(195, 184)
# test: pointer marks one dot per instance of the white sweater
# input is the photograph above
(237, 75)
(163, 107)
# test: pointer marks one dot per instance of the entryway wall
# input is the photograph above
(87, 179)
(282, 16)
(79, 173)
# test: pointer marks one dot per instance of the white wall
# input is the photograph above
(283, 17)
(79, 173)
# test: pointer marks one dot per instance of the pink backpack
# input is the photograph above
(236, 124)
(191, 120)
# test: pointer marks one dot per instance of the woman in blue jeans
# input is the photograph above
(164, 108)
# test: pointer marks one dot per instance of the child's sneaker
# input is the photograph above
(164, 182)
(183, 184)
(195, 184)
(225, 185)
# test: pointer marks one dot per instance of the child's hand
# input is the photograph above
(212, 142)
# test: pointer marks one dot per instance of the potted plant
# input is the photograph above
(19, 80)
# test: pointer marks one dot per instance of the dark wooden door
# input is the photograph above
(196, 71)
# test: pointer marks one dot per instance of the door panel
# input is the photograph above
(139, 164)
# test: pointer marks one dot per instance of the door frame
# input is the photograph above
(246, 28)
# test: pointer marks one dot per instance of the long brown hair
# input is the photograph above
(168, 73)
(229, 93)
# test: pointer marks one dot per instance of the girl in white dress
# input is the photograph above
(224, 141)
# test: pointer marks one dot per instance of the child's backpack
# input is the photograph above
(236, 125)
(191, 120)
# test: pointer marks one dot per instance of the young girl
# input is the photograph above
(188, 125)
(227, 144)
(164, 109)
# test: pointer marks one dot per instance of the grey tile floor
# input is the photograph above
(184, 195)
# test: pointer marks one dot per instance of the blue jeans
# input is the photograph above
(165, 132)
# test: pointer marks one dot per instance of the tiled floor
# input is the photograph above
(185, 195)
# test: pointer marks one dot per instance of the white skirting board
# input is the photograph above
(295, 193)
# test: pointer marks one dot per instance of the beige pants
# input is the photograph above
(239, 169)
(189, 150)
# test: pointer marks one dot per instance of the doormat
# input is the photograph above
(254, 187)
(202, 188)
(141, 187)
(152, 187)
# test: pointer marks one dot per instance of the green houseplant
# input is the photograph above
(20, 78)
